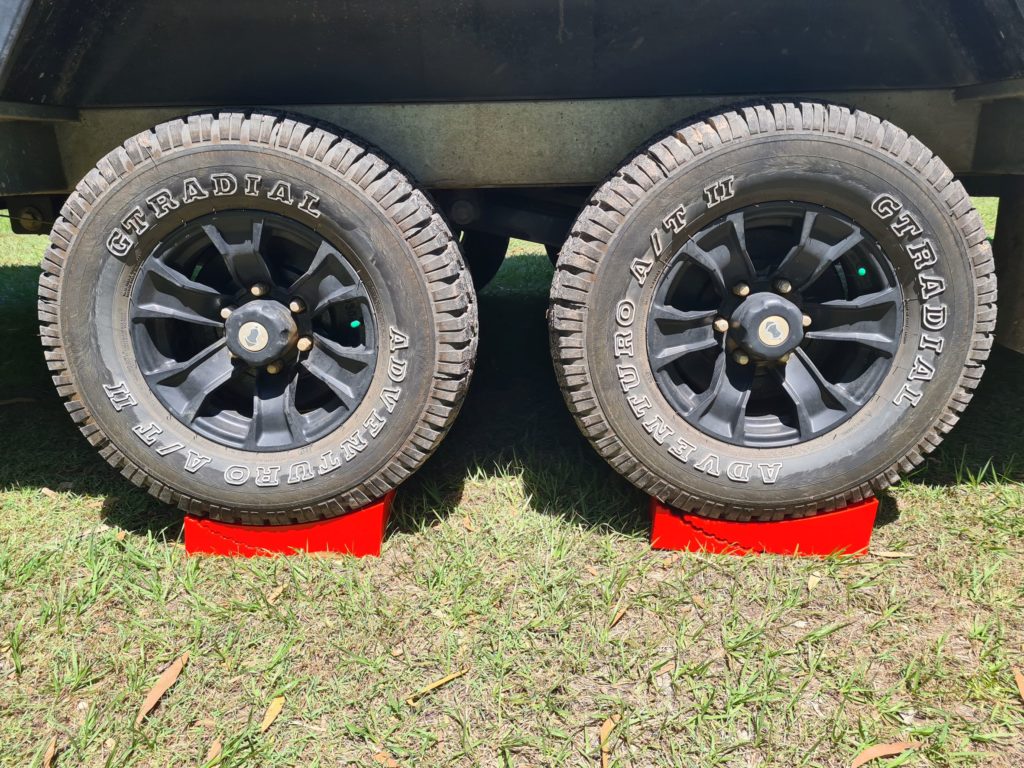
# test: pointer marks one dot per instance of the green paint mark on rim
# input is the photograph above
(861, 271)
(355, 323)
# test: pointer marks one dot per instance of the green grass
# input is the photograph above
(988, 207)
(509, 556)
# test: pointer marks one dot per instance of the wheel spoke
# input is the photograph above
(727, 259)
(818, 402)
(806, 262)
(330, 373)
(168, 295)
(722, 408)
(354, 359)
(679, 345)
(195, 379)
(244, 260)
(669, 317)
(275, 420)
(869, 320)
(327, 281)
(338, 366)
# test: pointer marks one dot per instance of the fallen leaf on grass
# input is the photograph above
(468, 524)
(411, 701)
(214, 751)
(603, 734)
(1020, 682)
(592, 571)
(383, 758)
(93, 531)
(272, 712)
(888, 555)
(49, 493)
(672, 560)
(813, 581)
(665, 667)
(883, 750)
(51, 750)
(164, 682)
(275, 594)
(120, 536)
(618, 616)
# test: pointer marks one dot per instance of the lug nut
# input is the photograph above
(807, 321)
(304, 344)
(721, 325)
(225, 313)
(258, 290)
(296, 306)
(783, 286)
(741, 357)
(274, 369)
(741, 289)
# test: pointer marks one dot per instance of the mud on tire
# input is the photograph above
(361, 315)
(837, 237)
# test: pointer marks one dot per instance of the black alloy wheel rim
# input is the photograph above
(774, 325)
(253, 330)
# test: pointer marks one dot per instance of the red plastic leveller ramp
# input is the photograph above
(843, 531)
(359, 533)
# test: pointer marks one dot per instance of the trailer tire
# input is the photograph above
(256, 319)
(773, 312)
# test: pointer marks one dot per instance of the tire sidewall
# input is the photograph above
(95, 324)
(891, 203)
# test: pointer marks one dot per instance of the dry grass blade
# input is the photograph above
(411, 701)
(1020, 682)
(214, 751)
(51, 750)
(888, 555)
(883, 750)
(168, 678)
(603, 734)
(272, 712)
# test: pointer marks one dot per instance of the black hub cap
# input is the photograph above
(768, 326)
(774, 325)
(253, 330)
(261, 332)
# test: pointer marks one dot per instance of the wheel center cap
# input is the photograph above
(261, 332)
(253, 337)
(767, 326)
(773, 331)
